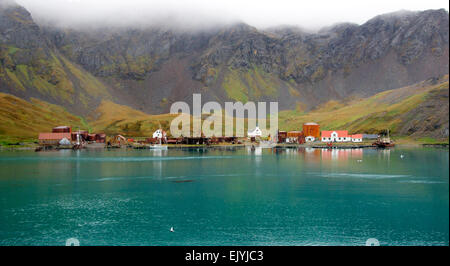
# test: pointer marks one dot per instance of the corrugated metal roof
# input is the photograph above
(54, 136)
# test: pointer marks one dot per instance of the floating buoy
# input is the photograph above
(359, 161)
(402, 156)
(171, 229)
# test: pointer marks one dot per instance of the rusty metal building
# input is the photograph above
(311, 129)
(282, 136)
(296, 137)
(294, 134)
(62, 129)
(100, 138)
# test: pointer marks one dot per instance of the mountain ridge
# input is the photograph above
(148, 68)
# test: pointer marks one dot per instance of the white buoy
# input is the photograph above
(401, 156)
(171, 229)
(359, 161)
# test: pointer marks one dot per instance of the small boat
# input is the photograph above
(384, 142)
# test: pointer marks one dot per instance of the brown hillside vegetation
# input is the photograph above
(22, 119)
(112, 118)
(420, 110)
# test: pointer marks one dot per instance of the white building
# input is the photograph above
(357, 138)
(310, 139)
(336, 136)
(159, 134)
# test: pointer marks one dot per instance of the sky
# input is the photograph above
(311, 14)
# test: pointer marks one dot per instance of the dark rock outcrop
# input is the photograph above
(150, 68)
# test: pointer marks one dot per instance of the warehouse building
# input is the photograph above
(295, 137)
(52, 139)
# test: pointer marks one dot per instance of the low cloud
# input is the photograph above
(208, 13)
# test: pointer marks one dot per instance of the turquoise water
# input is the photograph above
(225, 197)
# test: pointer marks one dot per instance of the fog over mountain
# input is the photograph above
(150, 67)
(198, 14)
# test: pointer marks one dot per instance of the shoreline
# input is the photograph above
(318, 145)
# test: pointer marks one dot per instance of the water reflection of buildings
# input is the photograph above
(385, 155)
(324, 155)
(312, 155)
(254, 151)
(158, 164)
(341, 154)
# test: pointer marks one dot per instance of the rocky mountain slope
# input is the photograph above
(30, 66)
(149, 68)
(144, 70)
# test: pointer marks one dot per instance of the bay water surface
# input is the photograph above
(225, 196)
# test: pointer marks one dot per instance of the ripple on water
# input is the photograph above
(357, 175)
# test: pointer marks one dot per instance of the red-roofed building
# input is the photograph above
(53, 138)
(336, 136)
(357, 138)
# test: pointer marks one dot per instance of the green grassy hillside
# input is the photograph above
(52, 77)
(391, 109)
(22, 120)
(113, 118)
(418, 112)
